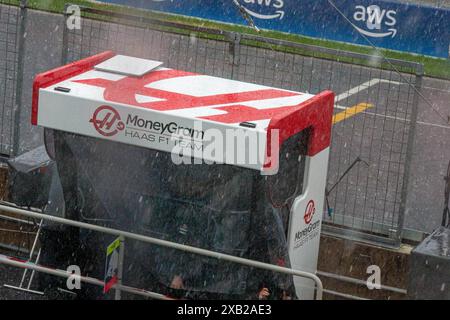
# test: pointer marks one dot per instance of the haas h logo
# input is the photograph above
(107, 121)
(309, 212)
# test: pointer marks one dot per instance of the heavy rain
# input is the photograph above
(138, 159)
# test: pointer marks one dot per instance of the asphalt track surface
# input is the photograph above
(12, 276)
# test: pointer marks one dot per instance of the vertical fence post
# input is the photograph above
(65, 39)
(118, 293)
(409, 153)
(234, 41)
(19, 77)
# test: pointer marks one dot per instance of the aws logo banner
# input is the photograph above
(375, 21)
(263, 9)
(390, 24)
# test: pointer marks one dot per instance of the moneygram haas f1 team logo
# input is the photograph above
(107, 121)
(309, 212)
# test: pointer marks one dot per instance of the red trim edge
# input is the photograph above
(46, 79)
(315, 113)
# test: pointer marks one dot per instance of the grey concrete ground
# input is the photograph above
(380, 184)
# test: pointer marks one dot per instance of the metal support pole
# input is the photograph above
(409, 153)
(344, 295)
(34, 271)
(173, 245)
(234, 41)
(19, 76)
(118, 294)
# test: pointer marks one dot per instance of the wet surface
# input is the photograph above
(12, 276)
(377, 194)
(429, 276)
(438, 244)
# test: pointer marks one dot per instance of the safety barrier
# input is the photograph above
(128, 235)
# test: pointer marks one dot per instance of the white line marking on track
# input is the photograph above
(365, 86)
(373, 82)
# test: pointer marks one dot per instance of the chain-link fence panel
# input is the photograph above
(375, 111)
(179, 51)
(9, 20)
(371, 145)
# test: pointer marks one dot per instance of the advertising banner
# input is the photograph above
(386, 24)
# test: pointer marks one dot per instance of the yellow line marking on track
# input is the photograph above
(350, 112)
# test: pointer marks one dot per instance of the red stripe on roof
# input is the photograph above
(125, 91)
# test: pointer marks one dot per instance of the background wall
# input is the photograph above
(393, 25)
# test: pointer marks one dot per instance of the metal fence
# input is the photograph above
(375, 112)
(376, 104)
(10, 18)
(317, 287)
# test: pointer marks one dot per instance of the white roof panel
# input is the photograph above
(129, 66)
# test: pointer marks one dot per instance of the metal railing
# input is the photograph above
(167, 244)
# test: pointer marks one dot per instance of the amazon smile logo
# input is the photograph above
(263, 9)
(379, 23)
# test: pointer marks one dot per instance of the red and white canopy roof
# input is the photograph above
(110, 96)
